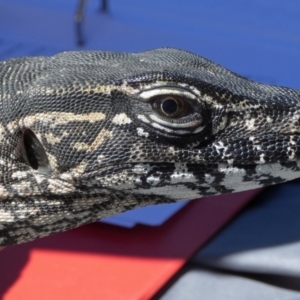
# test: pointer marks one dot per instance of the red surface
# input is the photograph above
(101, 261)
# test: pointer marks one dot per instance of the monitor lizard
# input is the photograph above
(86, 135)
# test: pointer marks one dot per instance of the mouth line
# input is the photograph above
(191, 162)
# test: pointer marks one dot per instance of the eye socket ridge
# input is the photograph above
(174, 111)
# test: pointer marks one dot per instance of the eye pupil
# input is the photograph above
(169, 106)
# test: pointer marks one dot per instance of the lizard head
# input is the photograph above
(90, 134)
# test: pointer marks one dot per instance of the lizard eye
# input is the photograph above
(171, 106)
(173, 111)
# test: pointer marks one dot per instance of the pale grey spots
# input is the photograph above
(142, 132)
(56, 118)
(121, 119)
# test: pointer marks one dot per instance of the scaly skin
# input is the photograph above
(85, 135)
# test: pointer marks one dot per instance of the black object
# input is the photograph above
(79, 16)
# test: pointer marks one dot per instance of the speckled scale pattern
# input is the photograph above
(109, 150)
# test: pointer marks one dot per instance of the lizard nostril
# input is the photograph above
(35, 152)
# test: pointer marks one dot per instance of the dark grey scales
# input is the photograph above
(86, 135)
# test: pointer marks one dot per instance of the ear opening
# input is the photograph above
(36, 155)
